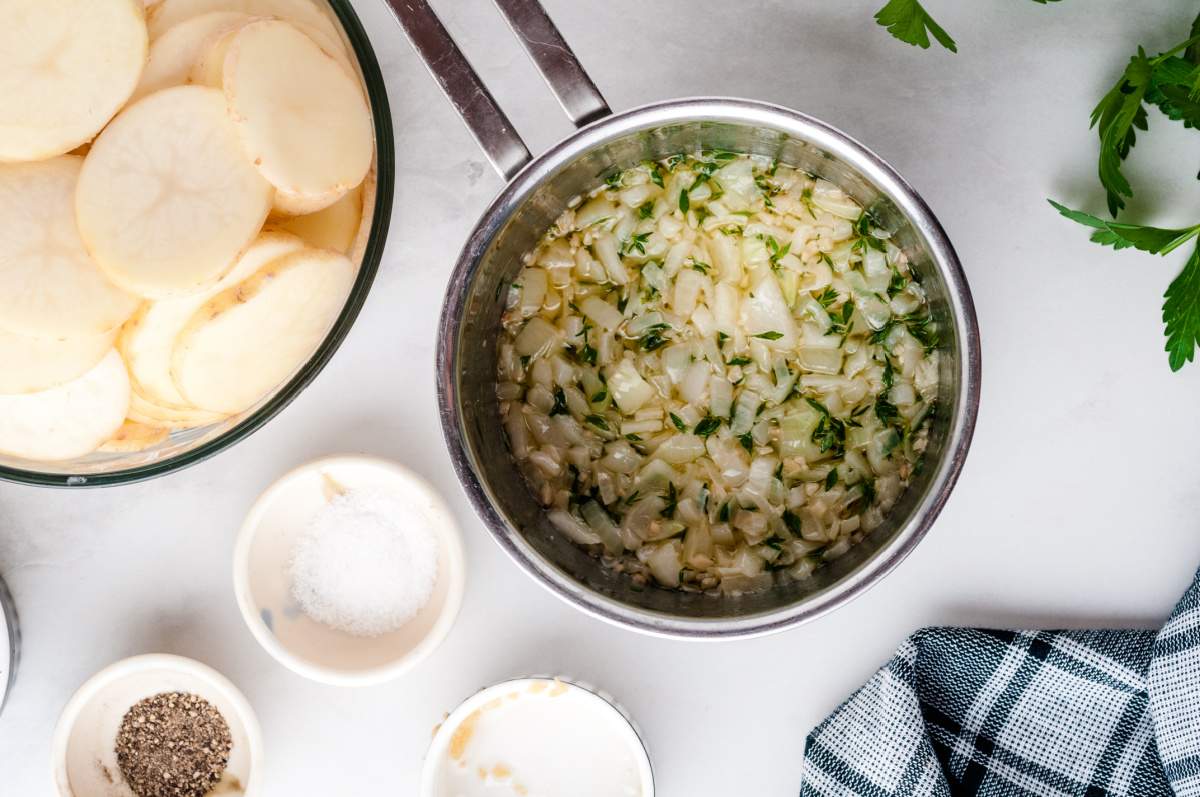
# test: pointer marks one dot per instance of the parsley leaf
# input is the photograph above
(1116, 119)
(910, 23)
(1181, 313)
(1173, 88)
(1118, 235)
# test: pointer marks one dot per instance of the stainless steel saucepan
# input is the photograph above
(537, 192)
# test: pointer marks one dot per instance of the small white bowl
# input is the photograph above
(463, 724)
(260, 578)
(83, 749)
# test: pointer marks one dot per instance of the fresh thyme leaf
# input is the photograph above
(1117, 118)
(646, 210)
(832, 479)
(747, 441)
(598, 421)
(633, 498)
(818, 406)
(636, 242)
(684, 204)
(678, 422)
(887, 412)
(614, 180)
(769, 335)
(701, 267)
(560, 403)
(922, 328)
(656, 175)
(633, 438)
(707, 426)
(740, 361)
(910, 23)
(776, 251)
(1181, 313)
(672, 497)
(1118, 235)
(653, 340)
(721, 338)
(827, 298)
(724, 513)
(600, 396)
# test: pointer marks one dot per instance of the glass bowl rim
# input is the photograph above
(385, 176)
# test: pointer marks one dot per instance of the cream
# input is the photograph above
(537, 738)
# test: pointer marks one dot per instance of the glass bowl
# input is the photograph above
(187, 447)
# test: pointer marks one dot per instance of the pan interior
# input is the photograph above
(483, 287)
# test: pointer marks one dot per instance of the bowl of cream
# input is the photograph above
(537, 737)
(349, 570)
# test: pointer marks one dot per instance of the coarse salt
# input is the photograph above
(365, 565)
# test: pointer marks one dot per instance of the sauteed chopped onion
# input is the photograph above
(717, 372)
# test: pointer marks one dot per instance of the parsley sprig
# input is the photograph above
(909, 22)
(1171, 82)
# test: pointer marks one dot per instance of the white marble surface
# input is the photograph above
(1078, 505)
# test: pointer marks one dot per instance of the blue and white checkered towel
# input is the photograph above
(962, 711)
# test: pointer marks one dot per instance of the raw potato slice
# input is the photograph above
(70, 420)
(333, 228)
(29, 364)
(66, 67)
(167, 199)
(49, 287)
(169, 13)
(133, 437)
(301, 116)
(148, 339)
(358, 249)
(149, 413)
(209, 67)
(175, 53)
(248, 340)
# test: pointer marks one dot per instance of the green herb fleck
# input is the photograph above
(560, 403)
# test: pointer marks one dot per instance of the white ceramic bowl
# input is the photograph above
(83, 749)
(458, 729)
(260, 579)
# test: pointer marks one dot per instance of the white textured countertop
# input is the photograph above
(1078, 506)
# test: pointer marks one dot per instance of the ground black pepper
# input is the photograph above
(174, 744)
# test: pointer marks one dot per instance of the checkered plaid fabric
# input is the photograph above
(963, 711)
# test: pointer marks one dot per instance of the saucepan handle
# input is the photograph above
(475, 104)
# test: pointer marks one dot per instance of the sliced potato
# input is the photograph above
(301, 116)
(66, 67)
(333, 228)
(167, 199)
(29, 364)
(133, 437)
(148, 339)
(49, 287)
(70, 420)
(249, 339)
(175, 53)
(150, 413)
(359, 248)
(168, 13)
